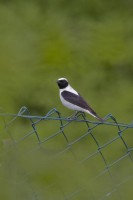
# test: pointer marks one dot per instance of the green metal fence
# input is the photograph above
(59, 157)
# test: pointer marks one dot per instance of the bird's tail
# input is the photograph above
(92, 112)
(99, 118)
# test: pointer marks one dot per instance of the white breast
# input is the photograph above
(68, 104)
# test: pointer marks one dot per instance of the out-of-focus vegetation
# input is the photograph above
(88, 42)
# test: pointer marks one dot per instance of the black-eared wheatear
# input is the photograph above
(72, 99)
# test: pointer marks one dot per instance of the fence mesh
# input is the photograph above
(55, 157)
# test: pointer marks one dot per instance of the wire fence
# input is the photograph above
(76, 158)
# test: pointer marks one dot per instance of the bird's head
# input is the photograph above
(62, 83)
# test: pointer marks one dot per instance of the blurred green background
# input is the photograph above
(88, 42)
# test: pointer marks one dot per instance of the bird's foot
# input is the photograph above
(76, 114)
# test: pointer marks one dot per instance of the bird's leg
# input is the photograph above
(80, 113)
(74, 115)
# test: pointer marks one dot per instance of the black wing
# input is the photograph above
(77, 100)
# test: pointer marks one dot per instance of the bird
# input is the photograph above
(71, 99)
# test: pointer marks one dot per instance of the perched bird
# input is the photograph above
(72, 99)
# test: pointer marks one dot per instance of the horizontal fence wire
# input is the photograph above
(119, 140)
